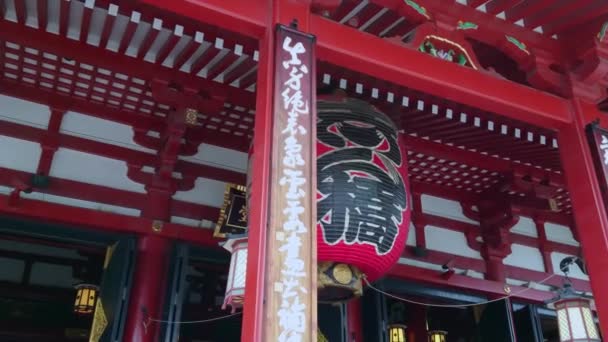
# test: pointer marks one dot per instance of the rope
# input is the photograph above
(193, 322)
(452, 305)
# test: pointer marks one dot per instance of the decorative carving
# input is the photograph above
(520, 45)
(157, 226)
(446, 49)
(419, 9)
(191, 116)
(601, 35)
(466, 25)
(100, 322)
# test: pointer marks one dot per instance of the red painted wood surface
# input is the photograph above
(589, 208)
(258, 217)
(354, 321)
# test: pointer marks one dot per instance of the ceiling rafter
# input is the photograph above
(438, 150)
(107, 59)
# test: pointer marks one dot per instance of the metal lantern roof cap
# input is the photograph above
(232, 240)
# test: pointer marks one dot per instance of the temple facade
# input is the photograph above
(303, 170)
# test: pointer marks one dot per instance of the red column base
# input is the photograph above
(148, 289)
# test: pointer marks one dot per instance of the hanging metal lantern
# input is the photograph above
(86, 297)
(363, 211)
(235, 286)
(438, 336)
(574, 316)
(575, 320)
(396, 333)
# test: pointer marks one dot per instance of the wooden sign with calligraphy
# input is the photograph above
(291, 290)
(598, 140)
(233, 213)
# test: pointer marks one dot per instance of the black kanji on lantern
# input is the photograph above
(362, 191)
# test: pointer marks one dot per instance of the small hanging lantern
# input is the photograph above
(396, 333)
(396, 328)
(438, 336)
(86, 297)
(235, 286)
(574, 316)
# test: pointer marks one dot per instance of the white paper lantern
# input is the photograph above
(235, 287)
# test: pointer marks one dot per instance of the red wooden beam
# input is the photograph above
(496, 6)
(220, 66)
(528, 8)
(580, 17)
(363, 53)
(564, 8)
(20, 12)
(108, 24)
(153, 123)
(486, 287)
(476, 3)
(245, 17)
(102, 221)
(85, 24)
(42, 7)
(132, 157)
(169, 45)
(207, 56)
(64, 17)
(128, 33)
(188, 51)
(151, 36)
(245, 66)
(111, 196)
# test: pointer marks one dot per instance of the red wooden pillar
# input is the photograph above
(354, 321)
(147, 291)
(280, 12)
(417, 327)
(256, 255)
(588, 207)
(151, 262)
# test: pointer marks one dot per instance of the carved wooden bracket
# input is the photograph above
(496, 219)
(590, 78)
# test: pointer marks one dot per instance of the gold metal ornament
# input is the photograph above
(342, 274)
(338, 282)
(157, 226)
(191, 116)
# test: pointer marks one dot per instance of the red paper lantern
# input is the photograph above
(363, 208)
